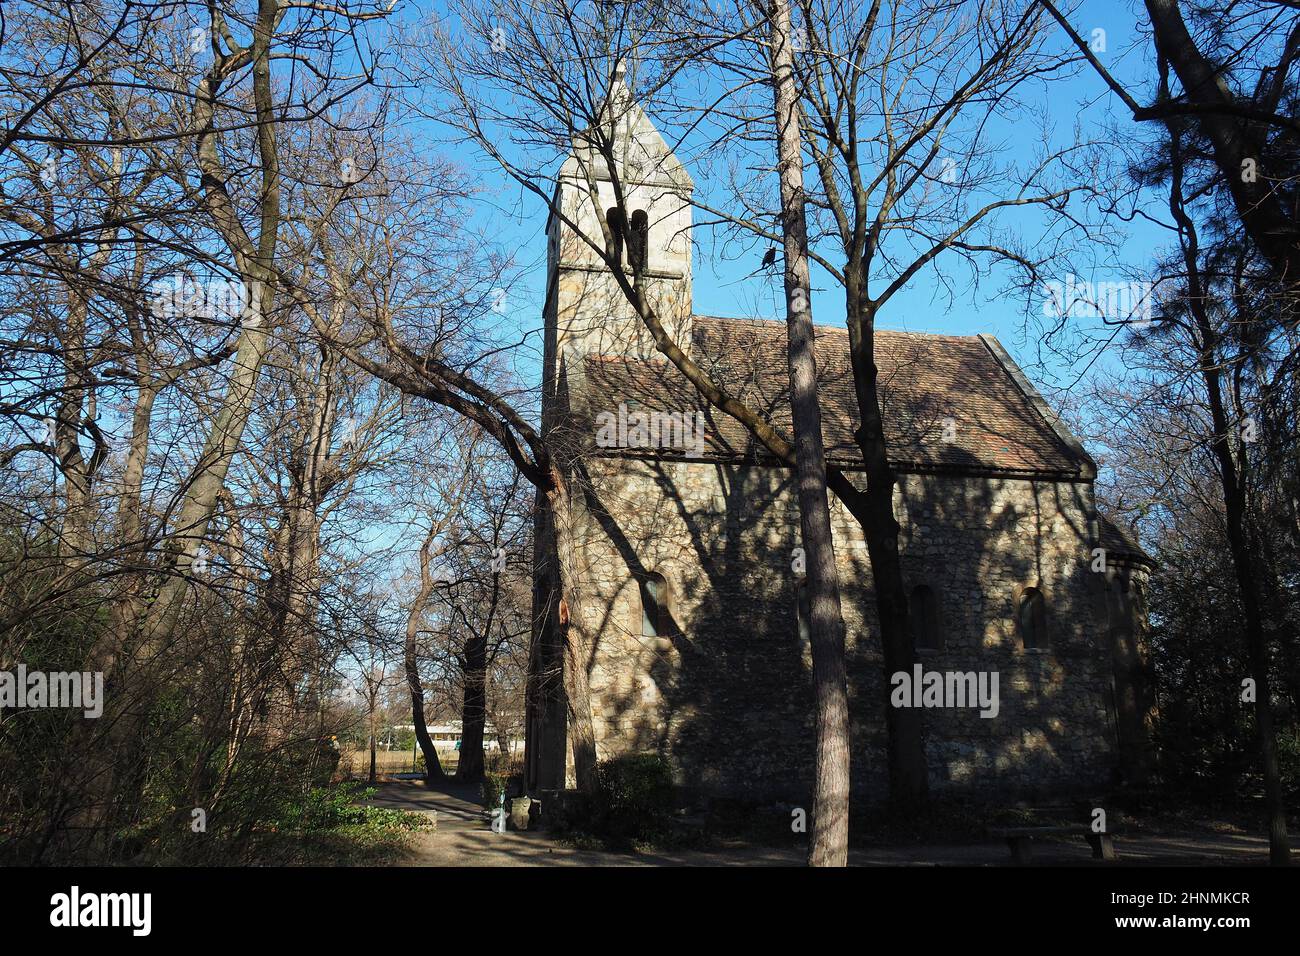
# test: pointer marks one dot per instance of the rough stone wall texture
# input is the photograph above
(728, 697)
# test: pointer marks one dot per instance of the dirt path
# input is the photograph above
(463, 838)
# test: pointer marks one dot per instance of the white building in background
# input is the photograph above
(447, 737)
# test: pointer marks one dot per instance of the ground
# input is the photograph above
(463, 838)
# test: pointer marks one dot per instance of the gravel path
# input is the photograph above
(463, 838)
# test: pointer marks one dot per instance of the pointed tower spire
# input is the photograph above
(588, 313)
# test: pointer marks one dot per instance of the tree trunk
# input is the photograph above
(829, 841)
(1260, 208)
(473, 713)
(77, 470)
(372, 747)
(474, 710)
(545, 717)
(1247, 570)
(908, 778)
(558, 695)
(432, 765)
(1248, 577)
(577, 689)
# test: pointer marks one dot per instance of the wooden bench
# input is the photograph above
(1021, 840)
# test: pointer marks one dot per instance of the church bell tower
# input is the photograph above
(586, 311)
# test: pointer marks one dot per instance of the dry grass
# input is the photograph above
(355, 764)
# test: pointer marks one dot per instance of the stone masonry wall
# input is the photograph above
(728, 696)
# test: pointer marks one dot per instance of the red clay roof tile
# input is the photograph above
(948, 402)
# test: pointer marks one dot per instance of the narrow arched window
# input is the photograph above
(638, 240)
(1032, 619)
(614, 219)
(923, 614)
(656, 619)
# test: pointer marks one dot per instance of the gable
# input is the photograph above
(640, 151)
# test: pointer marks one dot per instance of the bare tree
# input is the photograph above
(1225, 151)
(101, 197)
(830, 831)
(1237, 77)
(1210, 320)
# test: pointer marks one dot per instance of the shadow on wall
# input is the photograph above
(721, 682)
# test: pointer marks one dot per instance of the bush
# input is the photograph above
(326, 826)
(634, 796)
(324, 808)
(494, 786)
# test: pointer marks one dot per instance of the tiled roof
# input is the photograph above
(1116, 539)
(949, 402)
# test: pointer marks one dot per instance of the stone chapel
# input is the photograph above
(683, 537)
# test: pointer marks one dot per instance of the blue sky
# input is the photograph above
(727, 287)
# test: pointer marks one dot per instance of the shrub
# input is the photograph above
(634, 795)
(326, 826)
(567, 810)
(325, 808)
(494, 786)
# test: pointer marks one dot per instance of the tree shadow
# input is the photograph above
(991, 501)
